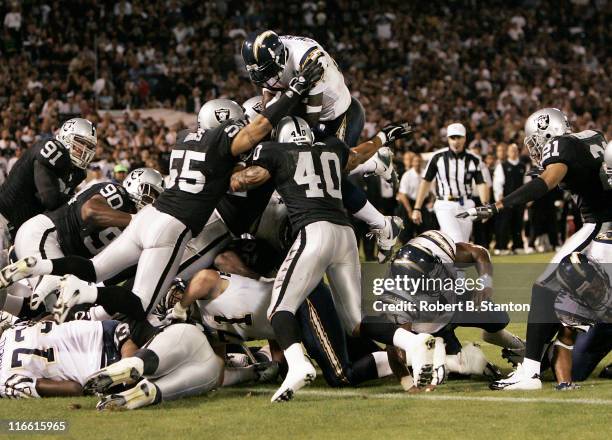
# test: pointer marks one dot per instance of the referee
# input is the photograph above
(454, 170)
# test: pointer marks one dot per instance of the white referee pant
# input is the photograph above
(459, 229)
(321, 248)
(586, 241)
(156, 241)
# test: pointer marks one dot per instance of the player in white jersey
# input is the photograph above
(47, 359)
(330, 111)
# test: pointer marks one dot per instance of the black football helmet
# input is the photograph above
(414, 261)
(264, 56)
(584, 279)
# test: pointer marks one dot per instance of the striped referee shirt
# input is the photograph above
(454, 172)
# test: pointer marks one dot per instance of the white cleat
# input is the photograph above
(297, 378)
(73, 291)
(422, 359)
(384, 165)
(17, 271)
(386, 237)
(142, 394)
(126, 371)
(519, 379)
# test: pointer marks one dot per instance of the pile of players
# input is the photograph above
(232, 247)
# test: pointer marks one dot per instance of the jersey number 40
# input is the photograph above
(305, 174)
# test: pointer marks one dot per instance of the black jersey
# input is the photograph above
(240, 211)
(583, 154)
(307, 178)
(77, 238)
(19, 198)
(201, 165)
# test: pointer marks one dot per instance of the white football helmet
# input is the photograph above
(144, 185)
(541, 127)
(217, 111)
(79, 137)
(293, 129)
(252, 107)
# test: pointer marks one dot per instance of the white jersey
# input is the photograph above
(336, 96)
(69, 351)
(438, 243)
(241, 310)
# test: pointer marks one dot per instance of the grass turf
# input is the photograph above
(459, 409)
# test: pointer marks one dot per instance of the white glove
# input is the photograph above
(47, 286)
(20, 387)
(176, 313)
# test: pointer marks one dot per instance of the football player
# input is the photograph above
(434, 255)
(200, 168)
(583, 307)
(271, 61)
(46, 175)
(307, 176)
(45, 359)
(83, 227)
(573, 161)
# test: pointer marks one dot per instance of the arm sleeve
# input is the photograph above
(432, 168)
(47, 187)
(498, 182)
(533, 190)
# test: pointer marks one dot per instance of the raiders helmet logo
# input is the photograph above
(543, 122)
(222, 114)
(258, 107)
(138, 173)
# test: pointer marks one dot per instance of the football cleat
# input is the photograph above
(422, 359)
(387, 236)
(73, 291)
(297, 378)
(142, 394)
(126, 371)
(519, 379)
(267, 372)
(17, 271)
(566, 386)
(383, 159)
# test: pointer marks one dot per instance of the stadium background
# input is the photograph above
(153, 63)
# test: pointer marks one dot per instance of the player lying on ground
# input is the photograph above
(573, 161)
(45, 359)
(307, 175)
(201, 165)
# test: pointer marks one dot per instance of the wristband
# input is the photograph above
(487, 280)
(561, 344)
(382, 137)
(416, 209)
(281, 108)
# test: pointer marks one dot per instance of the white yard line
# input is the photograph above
(348, 393)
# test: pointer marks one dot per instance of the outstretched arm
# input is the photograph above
(249, 178)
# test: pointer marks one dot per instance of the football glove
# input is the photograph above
(20, 387)
(307, 78)
(480, 212)
(393, 132)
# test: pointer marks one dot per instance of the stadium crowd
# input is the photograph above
(487, 67)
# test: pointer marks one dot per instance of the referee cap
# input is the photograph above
(455, 129)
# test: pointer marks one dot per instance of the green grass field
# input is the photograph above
(459, 409)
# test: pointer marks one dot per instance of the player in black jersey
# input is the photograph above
(574, 162)
(84, 226)
(46, 175)
(201, 165)
(308, 177)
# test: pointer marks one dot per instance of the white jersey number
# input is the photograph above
(189, 179)
(305, 174)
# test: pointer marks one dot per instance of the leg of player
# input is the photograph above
(344, 275)
(170, 370)
(301, 271)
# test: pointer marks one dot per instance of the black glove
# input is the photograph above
(393, 132)
(480, 212)
(307, 78)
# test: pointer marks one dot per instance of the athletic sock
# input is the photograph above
(381, 358)
(286, 329)
(378, 329)
(503, 338)
(117, 299)
(81, 267)
(371, 216)
(542, 325)
(146, 361)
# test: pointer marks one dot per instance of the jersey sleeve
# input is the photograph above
(559, 150)
(54, 156)
(431, 169)
(226, 133)
(266, 155)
